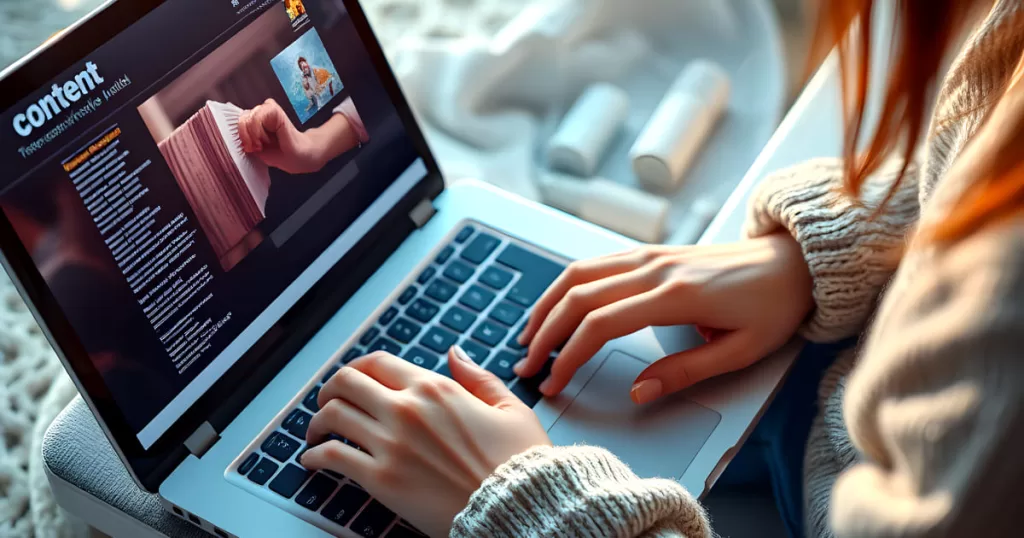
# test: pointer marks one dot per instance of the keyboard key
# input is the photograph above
(280, 446)
(457, 319)
(513, 343)
(426, 275)
(404, 330)
(263, 471)
(289, 480)
(330, 373)
(310, 400)
(373, 520)
(297, 423)
(480, 248)
(444, 255)
(458, 272)
(496, 278)
(441, 290)
(407, 295)
(345, 504)
(444, 370)
(422, 310)
(421, 357)
(387, 316)
(405, 530)
(502, 364)
(248, 464)
(528, 389)
(384, 344)
(477, 298)
(368, 336)
(538, 274)
(438, 339)
(475, 351)
(316, 492)
(507, 313)
(490, 333)
(298, 457)
(352, 355)
(528, 395)
(464, 234)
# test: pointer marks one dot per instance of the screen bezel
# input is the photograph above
(238, 385)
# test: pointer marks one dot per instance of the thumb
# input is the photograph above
(725, 353)
(272, 117)
(479, 382)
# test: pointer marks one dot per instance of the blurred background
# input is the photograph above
(24, 25)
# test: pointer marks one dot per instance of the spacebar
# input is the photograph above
(538, 273)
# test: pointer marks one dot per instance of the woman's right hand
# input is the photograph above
(746, 298)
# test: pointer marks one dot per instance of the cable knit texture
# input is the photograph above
(850, 254)
(921, 427)
(577, 491)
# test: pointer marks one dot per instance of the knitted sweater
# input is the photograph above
(921, 430)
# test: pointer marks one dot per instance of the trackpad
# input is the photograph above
(659, 439)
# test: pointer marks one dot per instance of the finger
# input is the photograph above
(357, 388)
(566, 316)
(339, 457)
(651, 308)
(479, 382)
(274, 117)
(388, 370)
(244, 119)
(254, 130)
(340, 417)
(727, 353)
(577, 273)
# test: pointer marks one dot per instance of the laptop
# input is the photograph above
(199, 295)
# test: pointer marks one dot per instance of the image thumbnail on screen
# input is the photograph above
(307, 75)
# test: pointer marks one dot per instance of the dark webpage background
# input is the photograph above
(95, 296)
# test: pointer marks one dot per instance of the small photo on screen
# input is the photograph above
(307, 75)
(295, 9)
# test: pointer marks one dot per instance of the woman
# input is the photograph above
(920, 430)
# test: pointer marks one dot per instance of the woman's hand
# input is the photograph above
(746, 298)
(429, 441)
(268, 133)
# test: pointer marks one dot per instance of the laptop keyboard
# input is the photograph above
(477, 293)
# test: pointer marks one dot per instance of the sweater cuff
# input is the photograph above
(577, 491)
(348, 109)
(850, 251)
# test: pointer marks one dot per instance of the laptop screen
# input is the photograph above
(182, 186)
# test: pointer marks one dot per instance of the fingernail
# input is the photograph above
(522, 339)
(646, 391)
(546, 386)
(461, 354)
(518, 368)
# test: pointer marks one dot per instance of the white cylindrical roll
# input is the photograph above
(630, 212)
(678, 128)
(695, 221)
(583, 137)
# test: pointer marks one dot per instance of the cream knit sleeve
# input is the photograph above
(850, 255)
(936, 403)
(577, 491)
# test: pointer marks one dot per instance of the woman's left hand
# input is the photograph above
(429, 441)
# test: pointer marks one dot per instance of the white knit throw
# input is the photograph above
(33, 385)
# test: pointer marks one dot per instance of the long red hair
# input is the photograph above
(924, 33)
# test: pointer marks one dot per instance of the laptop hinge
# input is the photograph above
(201, 440)
(423, 212)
